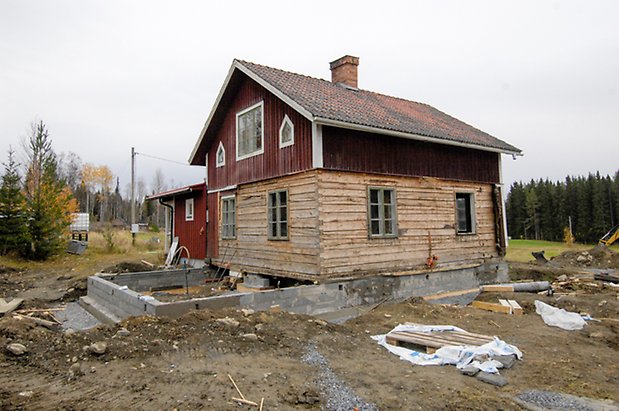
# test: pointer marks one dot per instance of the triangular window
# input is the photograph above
(286, 133)
(220, 159)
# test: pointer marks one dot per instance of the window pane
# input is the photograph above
(283, 214)
(387, 196)
(272, 214)
(387, 211)
(283, 198)
(375, 227)
(373, 211)
(374, 196)
(388, 226)
(286, 133)
(272, 199)
(284, 229)
(273, 229)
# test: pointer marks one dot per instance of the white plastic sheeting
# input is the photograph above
(558, 317)
(461, 356)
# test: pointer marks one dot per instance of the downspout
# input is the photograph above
(171, 218)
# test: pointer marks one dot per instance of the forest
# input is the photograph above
(543, 209)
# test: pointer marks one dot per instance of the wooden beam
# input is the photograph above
(491, 307)
(497, 288)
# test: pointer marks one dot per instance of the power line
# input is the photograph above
(164, 159)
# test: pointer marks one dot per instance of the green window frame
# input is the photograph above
(277, 210)
(228, 218)
(465, 213)
(382, 212)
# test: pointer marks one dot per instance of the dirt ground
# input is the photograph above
(184, 364)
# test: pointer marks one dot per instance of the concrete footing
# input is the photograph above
(118, 297)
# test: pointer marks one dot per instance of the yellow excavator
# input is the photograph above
(611, 236)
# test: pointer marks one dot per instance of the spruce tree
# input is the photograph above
(49, 200)
(13, 221)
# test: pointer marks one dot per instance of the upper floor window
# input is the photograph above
(249, 132)
(465, 213)
(286, 133)
(278, 215)
(220, 158)
(228, 217)
(382, 212)
(189, 209)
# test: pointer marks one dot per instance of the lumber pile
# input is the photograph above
(437, 339)
(504, 306)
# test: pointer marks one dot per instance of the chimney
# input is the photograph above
(344, 71)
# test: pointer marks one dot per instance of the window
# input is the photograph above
(278, 215)
(286, 133)
(228, 217)
(382, 212)
(220, 158)
(189, 209)
(465, 213)
(249, 132)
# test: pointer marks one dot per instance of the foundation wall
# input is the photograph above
(309, 299)
(147, 280)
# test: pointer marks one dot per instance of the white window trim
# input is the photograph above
(223, 198)
(281, 129)
(222, 148)
(189, 217)
(473, 215)
(240, 113)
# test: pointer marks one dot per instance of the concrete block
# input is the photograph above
(493, 379)
(508, 361)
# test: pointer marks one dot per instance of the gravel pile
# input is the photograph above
(339, 396)
(549, 400)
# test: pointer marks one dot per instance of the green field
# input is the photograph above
(520, 250)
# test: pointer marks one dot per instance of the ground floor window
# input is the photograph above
(382, 212)
(278, 215)
(465, 213)
(228, 217)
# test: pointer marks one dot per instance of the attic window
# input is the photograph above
(249, 132)
(286, 133)
(221, 156)
(189, 209)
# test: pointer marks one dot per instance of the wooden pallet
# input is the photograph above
(437, 339)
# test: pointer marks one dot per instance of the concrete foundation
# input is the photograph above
(118, 297)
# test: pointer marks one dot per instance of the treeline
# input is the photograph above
(38, 196)
(542, 209)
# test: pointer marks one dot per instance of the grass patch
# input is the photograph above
(520, 250)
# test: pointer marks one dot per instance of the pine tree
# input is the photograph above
(49, 200)
(13, 230)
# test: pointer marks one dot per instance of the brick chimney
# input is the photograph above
(344, 71)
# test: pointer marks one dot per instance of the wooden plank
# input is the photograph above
(436, 340)
(516, 308)
(504, 303)
(491, 307)
(449, 294)
(497, 288)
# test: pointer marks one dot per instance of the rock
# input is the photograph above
(259, 327)
(597, 335)
(247, 311)
(321, 322)
(508, 361)
(17, 349)
(75, 370)
(74, 359)
(26, 394)
(562, 278)
(493, 379)
(98, 348)
(387, 315)
(581, 258)
(250, 336)
(123, 332)
(228, 321)
(69, 332)
(470, 371)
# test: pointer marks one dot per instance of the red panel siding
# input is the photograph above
(191, 234)
(352, 150)
(274, 161)
(212, 244)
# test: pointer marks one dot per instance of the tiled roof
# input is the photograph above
(327, 100)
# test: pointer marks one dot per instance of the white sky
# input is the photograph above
(108, 75)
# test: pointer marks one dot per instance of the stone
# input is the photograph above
(69, 332)
(387, 315)
(17, 349)
(228, 321)
(259, 327)
(76, 370)
(247, 311)
(250, 336)
(98, 348)
(562, 278)
(321, 322)
(470, 371)
(123, 332)
(26, 394)
(493, 379)
(508, 361)
(597, 334)
(581, 258)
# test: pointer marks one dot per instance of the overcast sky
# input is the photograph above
(108, 75)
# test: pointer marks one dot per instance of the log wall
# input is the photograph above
(424, 205)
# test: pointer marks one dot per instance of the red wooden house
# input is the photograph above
(314, 179)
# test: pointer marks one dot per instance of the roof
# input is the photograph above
(334, 104)
(177, 191)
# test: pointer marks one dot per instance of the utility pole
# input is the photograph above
(133, 230)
